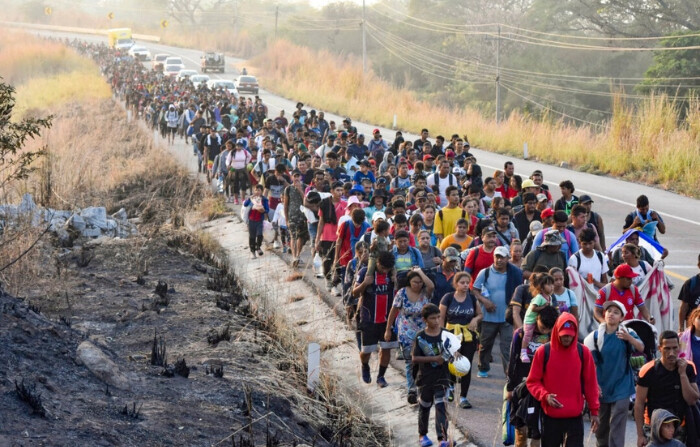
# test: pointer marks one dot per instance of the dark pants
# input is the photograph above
(567, 432)
(240, 181)
(489, 331)
(427, 395)
(255, 235)
(327, 252)
(467, 350)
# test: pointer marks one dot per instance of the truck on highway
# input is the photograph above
(213, 61)
(120, 38)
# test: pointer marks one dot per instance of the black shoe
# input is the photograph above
(412, 397)
(464, 403)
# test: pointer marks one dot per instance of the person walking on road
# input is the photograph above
(493, 288)
(562, 373)
(612, 345)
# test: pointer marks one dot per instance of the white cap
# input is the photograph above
(502, 252)
(378, 215)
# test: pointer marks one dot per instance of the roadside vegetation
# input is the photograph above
(649, 143)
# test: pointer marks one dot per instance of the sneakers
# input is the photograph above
(285, 249)
(276, 246)
(425, 441)
(445, 444)
(412, 397)
(366, 374)
(464, 403)
(482, 374)
(337, 290)
(260, 252)
(524, 357)
(381, 382)
(450, 394)
(252, 256)
(235, 200)
(329, 286)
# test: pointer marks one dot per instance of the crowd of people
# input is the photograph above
(418, 240)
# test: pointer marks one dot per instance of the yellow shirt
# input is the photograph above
(449, 240)
(445, 225)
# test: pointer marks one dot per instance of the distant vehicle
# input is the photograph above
(213, 61)
(227, 84)
(120, 38)
(159, 61)
(184, 74)
(172, 70)
(174, 60)
(247, 84)
(140, 53)
(199, 79)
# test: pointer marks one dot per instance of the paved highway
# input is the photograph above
(613, 198)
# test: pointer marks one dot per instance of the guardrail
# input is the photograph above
(71, 29)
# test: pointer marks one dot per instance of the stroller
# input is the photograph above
(649, 335)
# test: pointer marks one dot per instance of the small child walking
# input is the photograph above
(381, 243)
(541, 288)
(280, 223)
(432, 376)
(259, 207)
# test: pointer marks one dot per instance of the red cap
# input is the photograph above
(450, 153)
(428, 157)
(376, 131)
(546, 213)
(373, 162)
(568, 328)
(624, 271)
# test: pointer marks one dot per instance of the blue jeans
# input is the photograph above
(410, 382)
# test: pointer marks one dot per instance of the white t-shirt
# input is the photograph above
(444, 183)
(590, 265)
(640, 272)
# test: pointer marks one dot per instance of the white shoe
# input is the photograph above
(276, 245)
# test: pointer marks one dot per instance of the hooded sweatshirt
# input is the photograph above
(563, 375)
(658, 418)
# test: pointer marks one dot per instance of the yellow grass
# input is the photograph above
(642, 144)
(45, 95)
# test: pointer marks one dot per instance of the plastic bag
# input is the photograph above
(318, 265)
(245, 212)
(268, 232)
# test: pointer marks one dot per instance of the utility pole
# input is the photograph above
(277, 13)
(364, 40)
(498, 76)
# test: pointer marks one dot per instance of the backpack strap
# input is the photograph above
(578, 260)
(600, 259)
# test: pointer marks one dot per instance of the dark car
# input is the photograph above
(247, 84)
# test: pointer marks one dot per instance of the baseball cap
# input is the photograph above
(585, 199)
(428, 157)
(487, 230)
(376, 131)
(617, 304)
(296, 172)
(421, 195)
(547, 213)
(535, 227)
(624, 271)
(528, 183)
(502, 252)
(568, 328)
(378, 215)
(541, 197)
(450, 153)
(364, 163)
(451, 254)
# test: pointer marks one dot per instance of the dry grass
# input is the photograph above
(296, 276)
(642, 144)
(212, 207)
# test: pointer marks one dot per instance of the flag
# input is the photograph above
(648, 243)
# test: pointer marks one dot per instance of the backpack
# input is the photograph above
(600, 259)
(351, 233)
(567, 236)
(436, 179)
(599, 357)
(538, 253)
(464, 214)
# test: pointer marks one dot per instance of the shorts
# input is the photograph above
(372, 336)
(298, 231)
(172, 130)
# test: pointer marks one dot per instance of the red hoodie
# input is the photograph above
(563, 376)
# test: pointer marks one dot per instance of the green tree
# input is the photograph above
(672, 70)
(16, 163)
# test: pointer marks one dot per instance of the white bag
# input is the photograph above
(245, 212)
(318, 265)
(268, 232)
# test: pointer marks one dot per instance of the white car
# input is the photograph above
(199, 79)
(174, 60)
(140, 52)
(228, 84)
(184, 74)
(159, 59)
(172, 70)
